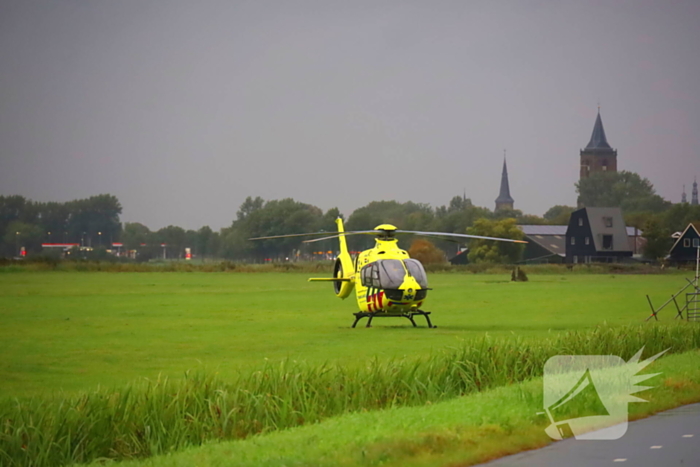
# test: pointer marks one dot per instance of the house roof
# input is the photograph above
(554, 243)
(683, 235)
(598, 139)
(596, 219)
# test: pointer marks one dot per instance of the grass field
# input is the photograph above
(64, 334)
(74, 331)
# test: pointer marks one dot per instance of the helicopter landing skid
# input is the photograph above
(378, 314)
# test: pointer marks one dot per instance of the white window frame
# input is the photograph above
(573, 240)
(587, 241)
(686, 243)
(696, 242)
(580, 221)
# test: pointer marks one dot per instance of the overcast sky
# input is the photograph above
(183, 108)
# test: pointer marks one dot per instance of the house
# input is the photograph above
(547, 243)
(685, 249)
(597, 235)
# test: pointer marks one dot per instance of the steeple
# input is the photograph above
(504, 200)
(684, 199)
(598, 139)
(694, 199)
(598, 156)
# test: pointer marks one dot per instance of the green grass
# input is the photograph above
(64, 334)
(163, 416)
(462, 431)
(74, 331)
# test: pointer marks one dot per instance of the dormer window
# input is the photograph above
(607, 221)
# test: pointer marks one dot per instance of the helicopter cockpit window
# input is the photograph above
(391, 273)
(370, 275)
(415, 268)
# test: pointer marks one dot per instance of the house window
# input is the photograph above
(587, 241)
(686, 243)
(607, 221)
(607, 242)
(573, 240)
(696, 242)
(580, 221)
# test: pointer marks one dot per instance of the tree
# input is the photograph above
(426, 252)
(22, 234)
(558, 215)
(492, 251)
(206, 242)
(173, 238)
(677, 218)
(259, 218)
(624, 189)
(135, 235)
(658, 239)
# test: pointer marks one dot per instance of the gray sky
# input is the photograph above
(181, 109)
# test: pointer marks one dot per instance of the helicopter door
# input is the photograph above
(370, 275)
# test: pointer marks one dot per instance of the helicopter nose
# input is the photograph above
(409, 294)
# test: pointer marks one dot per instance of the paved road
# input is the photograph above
(667, 439)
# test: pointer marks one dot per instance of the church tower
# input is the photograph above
(504, 201)
(684, 199)
(694, 199)
(598, 156)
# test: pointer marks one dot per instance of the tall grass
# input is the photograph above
(156, 417)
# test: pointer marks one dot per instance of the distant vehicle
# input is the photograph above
(387, 282)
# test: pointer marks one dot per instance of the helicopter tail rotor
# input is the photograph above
(343, 270)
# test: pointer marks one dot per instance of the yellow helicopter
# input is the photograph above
(387, 282)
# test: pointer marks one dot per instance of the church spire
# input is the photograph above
(598, 139)
(694, 199)
(504, 200)
(684, 198)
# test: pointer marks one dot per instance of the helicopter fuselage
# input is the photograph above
(387, 279)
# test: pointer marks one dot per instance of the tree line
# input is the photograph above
(94, 222)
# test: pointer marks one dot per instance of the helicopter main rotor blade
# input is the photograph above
(453, 235)
(358, 232)
(315, 233)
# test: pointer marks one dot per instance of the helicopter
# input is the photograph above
(386, 280)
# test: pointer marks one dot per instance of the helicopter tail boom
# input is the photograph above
(343, 270)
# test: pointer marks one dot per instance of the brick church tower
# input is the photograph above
(598, 156)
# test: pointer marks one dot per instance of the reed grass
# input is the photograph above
(161, 416)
